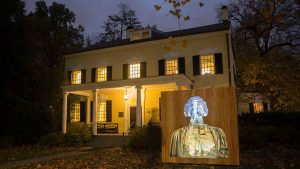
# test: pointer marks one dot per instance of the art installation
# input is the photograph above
(198, 140)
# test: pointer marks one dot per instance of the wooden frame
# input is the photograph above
(222, 113)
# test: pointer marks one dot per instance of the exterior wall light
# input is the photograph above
(126, 95)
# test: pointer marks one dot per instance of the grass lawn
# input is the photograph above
(269, 157)
(29, 151)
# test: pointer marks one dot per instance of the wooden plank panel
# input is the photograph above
(222, 113)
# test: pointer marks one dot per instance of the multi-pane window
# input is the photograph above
(102, 112)
(101, 74)
(75, 112)
(171, 66)
(258, 107)
(76, 77)
(134, 70)
(207, 64)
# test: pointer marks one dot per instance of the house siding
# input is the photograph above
(151, 52)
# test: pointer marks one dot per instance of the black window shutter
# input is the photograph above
(196, 65)
(82, 111)
(143, 69)
(218, 63)
(91, 113)
(69, 78)
(251, 107)
(108, 110)
(161, 67)
(83, 75)
(93, 75)
(125, 71)
(181, 65)
(265, 104)
(109, 73)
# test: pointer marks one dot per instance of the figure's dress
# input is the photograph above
(199, 141)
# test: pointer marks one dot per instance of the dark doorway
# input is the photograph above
(132, 117)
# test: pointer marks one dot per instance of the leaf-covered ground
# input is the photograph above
(271, 157)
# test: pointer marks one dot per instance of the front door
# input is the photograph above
(132, 117)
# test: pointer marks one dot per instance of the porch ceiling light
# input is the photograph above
(126, 95)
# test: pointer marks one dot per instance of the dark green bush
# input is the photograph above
(7, 141)
(270, 119)
(78, 134)
(53, 139)
(263, 129)
(147, 137)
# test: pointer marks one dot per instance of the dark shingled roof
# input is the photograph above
(157, 35)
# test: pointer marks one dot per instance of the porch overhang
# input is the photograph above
(178, 79)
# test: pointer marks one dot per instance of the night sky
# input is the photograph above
(92, 13)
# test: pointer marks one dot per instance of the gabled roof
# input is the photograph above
(158, 35)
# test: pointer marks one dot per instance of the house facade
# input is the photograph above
(117, 85)
(253, 102)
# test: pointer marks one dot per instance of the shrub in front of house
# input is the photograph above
(7, 141)
(53, 139)
(264, 129)
(78, 134)
(147, 137)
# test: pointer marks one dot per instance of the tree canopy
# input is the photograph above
(267, 41)
(32, 67)
(115, 25)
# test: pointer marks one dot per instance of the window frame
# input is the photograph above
(104, 75)
(209, 66)
(168, 69)
(78, 78)
(134, 74)
(102, 112)
(75, 112)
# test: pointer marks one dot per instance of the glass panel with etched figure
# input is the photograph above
(198, 140)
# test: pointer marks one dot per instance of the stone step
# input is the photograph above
(108, 141)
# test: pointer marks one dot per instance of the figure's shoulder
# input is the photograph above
(215, 129)
(181, 130)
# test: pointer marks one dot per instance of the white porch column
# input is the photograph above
(65, 110)
(88, 110)
(95, 106)
(138, 106)
(126, 114)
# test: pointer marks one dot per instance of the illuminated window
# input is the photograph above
(258, 107)
(207, 64)
(75, 112)
(134, 70)
(101, 74)
(136, 36)
(171, 67)
(102, 112)
(76, 77)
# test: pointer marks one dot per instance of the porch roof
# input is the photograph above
(179, 79)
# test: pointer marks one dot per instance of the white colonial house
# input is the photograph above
(116, 85)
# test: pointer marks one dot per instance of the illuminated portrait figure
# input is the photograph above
(198, 140)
